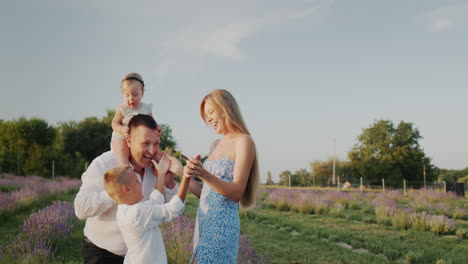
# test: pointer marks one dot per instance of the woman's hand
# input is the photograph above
(194, 168)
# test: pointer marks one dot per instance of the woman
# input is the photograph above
(229, 176)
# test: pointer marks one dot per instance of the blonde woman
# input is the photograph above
(229, 176)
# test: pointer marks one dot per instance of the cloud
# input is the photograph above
(445, 18)
(217, 34)
(186, 36)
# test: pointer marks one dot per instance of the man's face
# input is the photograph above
(143, 144)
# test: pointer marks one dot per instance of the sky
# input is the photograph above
(304, 72)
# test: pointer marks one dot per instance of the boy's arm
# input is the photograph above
(182, 193)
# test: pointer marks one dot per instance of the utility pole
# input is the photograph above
(18, 159)
(424, 172)
(53, 169)
(334, 160)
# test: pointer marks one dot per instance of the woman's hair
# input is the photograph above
(114, 179)
(224, 102)
(132, 77)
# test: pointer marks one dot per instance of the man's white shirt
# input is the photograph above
(99, 209)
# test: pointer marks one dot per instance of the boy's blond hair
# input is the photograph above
(114, 179)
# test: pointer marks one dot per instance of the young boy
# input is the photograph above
(138, 221)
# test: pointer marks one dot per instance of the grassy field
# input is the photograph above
(290, 237)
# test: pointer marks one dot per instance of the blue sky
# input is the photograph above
(303, 72)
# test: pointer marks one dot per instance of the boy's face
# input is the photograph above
(134, 185)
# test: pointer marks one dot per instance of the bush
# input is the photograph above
(441, 225)
(462, 233)
(401, 219)
(419, 221)
(413, 257)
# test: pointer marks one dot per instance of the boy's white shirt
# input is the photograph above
(139, 225)
(99, 209)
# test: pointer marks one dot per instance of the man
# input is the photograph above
(103, 242)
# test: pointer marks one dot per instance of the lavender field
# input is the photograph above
(41, 236)
(287, 226)
(423, 210)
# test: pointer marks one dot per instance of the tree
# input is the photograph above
(28, 141)
(269, 180)
(393, 154)
(322, 171)
(284, 178)
(302, 178)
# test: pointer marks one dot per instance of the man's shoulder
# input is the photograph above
(104, 161)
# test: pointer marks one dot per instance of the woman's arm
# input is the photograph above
(245, 154)
(195, 187)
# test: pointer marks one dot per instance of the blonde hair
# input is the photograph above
(224, 102)
(129, 78)
(114, 179)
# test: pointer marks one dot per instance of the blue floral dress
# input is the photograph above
(217, 229)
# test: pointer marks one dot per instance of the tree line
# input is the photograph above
(383, 151)
(32, 146)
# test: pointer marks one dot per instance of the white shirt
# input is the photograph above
(99, 209)
(139, 226)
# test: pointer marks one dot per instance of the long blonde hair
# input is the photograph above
(225, 102)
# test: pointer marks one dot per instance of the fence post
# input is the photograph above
(383, 184)
(360, 186)
(53, 169)
(338, 185)
(404, 187)
(445, 186)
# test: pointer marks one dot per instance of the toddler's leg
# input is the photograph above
(120, 148)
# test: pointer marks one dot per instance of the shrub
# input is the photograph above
(460, 213)
(441, 225)
(462, 233)
(401, 219)
(413, 257)
(419, 221)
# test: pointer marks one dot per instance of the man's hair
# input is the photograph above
(142, 120)
(114, 179)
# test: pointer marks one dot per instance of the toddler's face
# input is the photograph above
(132, 95)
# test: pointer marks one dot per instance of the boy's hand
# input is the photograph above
(162, 166)
(176, 166)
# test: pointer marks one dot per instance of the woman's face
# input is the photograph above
(214, 117)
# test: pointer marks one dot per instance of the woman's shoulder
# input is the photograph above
(243, 139)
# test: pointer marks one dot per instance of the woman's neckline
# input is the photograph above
(221, 159)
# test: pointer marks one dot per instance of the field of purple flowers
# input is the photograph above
(29, 189)
(41, 232)
(422, 210)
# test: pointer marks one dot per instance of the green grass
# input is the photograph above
(385, 243)
(289, 237)
(69, 251)
(8, 189)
